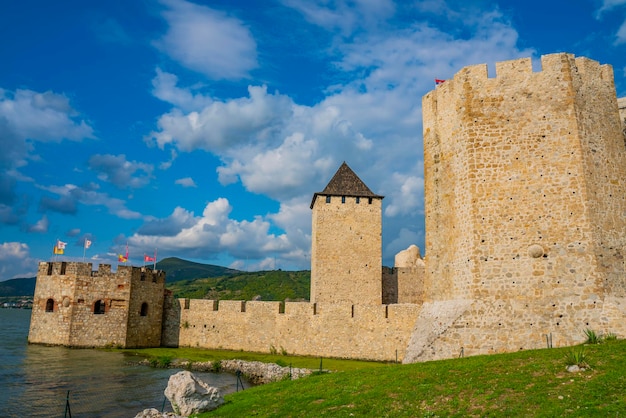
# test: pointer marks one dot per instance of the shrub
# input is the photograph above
(576, 357)
(273, 350)
(610, 337)
(216, 366)
(283, 351)
(592, 337)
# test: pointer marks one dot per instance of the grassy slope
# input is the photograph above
(263, 285)
(528, 383)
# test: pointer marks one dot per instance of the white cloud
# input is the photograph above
(186, 182)
(165, 88)
(608, 5)
(223, 125)
(207, 41)
(29, 115)
(344, 16)
(41, 226)
(214, 233)
(15, 261)
(620, 36)
(121, 172)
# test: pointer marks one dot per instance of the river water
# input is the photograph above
(35, 380)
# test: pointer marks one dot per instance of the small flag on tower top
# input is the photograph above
(61, 244)
(87, 243)
(438, 81)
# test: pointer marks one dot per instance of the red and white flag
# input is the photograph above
(148, 259)
(61, 245)
(87, 243)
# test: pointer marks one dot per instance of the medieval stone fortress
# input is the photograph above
(525, 197)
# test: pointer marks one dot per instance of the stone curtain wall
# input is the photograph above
(346, 250)
(77, 288)
(341, 330)
(524, 184)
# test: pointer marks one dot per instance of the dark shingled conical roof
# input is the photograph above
(345, 183)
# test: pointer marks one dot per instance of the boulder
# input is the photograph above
(188, 395)
(154, 413)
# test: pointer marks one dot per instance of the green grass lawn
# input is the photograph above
(531, 383)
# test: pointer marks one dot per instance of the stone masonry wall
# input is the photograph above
(525, 204)
(76, 289)
(374, 332)
(346, 250)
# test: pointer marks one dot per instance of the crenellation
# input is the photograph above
(514, 68)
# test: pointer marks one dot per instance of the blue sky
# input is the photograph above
(203, 129)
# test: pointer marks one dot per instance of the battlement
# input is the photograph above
(80, 269)
(555, 68)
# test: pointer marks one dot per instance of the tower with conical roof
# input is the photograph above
(346, 247)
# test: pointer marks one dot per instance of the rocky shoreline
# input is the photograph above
(256, 372)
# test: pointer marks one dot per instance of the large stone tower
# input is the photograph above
(525, 187)
(346, 245)
(77, 307)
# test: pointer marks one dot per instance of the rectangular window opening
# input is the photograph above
(358, 200)
(327, 199)
(343, 199)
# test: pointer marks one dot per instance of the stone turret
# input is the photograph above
(346, 247)
(525, 205)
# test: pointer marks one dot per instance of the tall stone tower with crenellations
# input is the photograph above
(525, 188)
(346, 246)
(76, 307)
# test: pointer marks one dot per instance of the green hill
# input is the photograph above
(261, 285)
(177, 269)
(18, 287)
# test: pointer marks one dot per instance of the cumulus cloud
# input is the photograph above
(15, 261)
(165, 87)
(210, 234)
(121, 172)
(207, 41)
(186, 182)
(222, 125)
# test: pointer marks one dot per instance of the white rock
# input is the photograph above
(188, 395)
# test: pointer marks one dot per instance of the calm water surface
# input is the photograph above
(34, 380)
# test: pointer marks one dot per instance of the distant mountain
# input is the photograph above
(18, 287)
(261, 285)
(177, 269)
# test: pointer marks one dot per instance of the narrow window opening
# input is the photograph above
(50, 305)
(281, 308)
(327, 199)
(358, 200)
(369, 200)
(154, 278)
(243, 306)
(143, 276)
(63, 267)
(343, 199)
(386, 311)
(144, 309)
(352, 311)
(98, 307)
(49, 269)
(315, 309)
